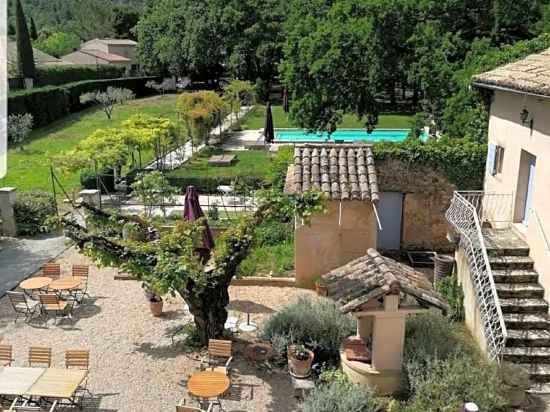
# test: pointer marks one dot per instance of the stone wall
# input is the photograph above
(428, 194)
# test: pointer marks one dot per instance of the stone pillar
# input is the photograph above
(7, 201)
(91, 196)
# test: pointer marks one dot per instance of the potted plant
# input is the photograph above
(299, 360)
(153, 295)
(321, 286)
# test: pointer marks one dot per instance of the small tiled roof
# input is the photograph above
(530, 75)
(116, 42)
(340, 171)
(372, 276)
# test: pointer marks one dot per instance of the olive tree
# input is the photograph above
(107, 99)
(19, 127)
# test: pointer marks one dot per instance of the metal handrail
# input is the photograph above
(541, 228)
(463, 215)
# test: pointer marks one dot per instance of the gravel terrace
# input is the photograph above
(134, 365)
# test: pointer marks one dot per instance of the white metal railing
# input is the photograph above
(541, 229)
(464, 216)
(495, 208)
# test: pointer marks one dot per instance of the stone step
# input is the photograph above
(508, 251)
(519, 290)
(515, 276)
(511, 262)
(519, 305)
(530, 338)
(538, 372)
(522, 354)
(527, 321)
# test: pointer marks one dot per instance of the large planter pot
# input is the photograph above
(156, 307)
(299, 368)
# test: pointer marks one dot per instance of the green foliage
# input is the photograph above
(449, 288)
(340, 396)
(237, 93)
(25, 58)
(279, 166)
(315, 322)
(35, 213)
(58, 43)
(285, 207)
(107, 99)
(269, 260)
(50, 103)
(154, 190)
(200, 111)
(19, 127)
(272, 232)
(53, 75)
(462, 161)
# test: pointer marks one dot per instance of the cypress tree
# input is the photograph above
(25, 58)
(34, 32)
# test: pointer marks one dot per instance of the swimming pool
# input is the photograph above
(345, 135)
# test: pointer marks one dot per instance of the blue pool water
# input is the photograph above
(346, 135)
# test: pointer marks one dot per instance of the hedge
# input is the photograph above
(209, 184)
(51, 103)
(63, 74)
(461, 160)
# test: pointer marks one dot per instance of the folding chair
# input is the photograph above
(24, 407)
(41, 355)
(51, 270)
(51, 303)
(81, 272)
(6, 355)
(22, 305)
(219, 353)
(79, 359)
(182, 407)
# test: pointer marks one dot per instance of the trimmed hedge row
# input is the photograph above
(63, 74)
(209, 184)
(51, 103)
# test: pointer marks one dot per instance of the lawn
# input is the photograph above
(255, 120)
(29, 169)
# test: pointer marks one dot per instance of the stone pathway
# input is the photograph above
(182, 154)
(21, 257)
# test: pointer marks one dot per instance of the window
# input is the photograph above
(495, 159)
(499, 159)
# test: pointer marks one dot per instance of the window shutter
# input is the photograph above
(491, 157)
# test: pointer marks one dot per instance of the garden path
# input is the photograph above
(21, 257)
(182, 154)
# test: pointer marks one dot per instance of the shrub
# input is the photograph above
(272, 232)
(19, 127)
(444, 385)
(34, 213)
(279, 166)
(209, 184)
(341, 396)
(50, 103)
(88, 180)
(318, 323)
(449, 288)
(275, 260)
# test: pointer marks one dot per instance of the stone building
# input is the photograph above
(387, 205)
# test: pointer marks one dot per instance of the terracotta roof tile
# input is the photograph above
(372, 276)
(530, 75)
(340, 171)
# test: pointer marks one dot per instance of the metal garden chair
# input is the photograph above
(6, 355)
(41, 355)
(22, 305)
(51, 303)
(79, 359)
(81, 272)
(182, 407)
(219, 355)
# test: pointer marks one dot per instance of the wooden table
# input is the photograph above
(65, 283)
(57, 383)
(208, 384)
(16, 381)
(39, 282)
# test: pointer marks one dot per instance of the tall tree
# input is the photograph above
(25, 58)
(34, 32)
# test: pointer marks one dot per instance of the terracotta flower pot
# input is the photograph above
(156, 307)
(321, 289)
(299, 368)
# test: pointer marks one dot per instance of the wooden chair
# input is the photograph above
(40, 355)
(51, 270)
(51, 303)
(182, 407)
(81, 272)
(23, 305)
(219, 355)
(6, 355)
(77, 358)
(25, 407)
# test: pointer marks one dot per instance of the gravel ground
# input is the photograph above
(134, 365)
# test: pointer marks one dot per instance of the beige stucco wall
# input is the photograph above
(427, 195)
(325, 244)
(506, 129)
(471, 308)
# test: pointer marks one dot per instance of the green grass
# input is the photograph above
(29, 169)
(275, 260)
(256, 119)
(248, 163)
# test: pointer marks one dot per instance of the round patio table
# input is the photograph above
(39, 282)
(208, 384)
(66, 283)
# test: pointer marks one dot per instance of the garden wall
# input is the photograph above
(427, 195)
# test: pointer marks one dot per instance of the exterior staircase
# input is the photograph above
(522, 303)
